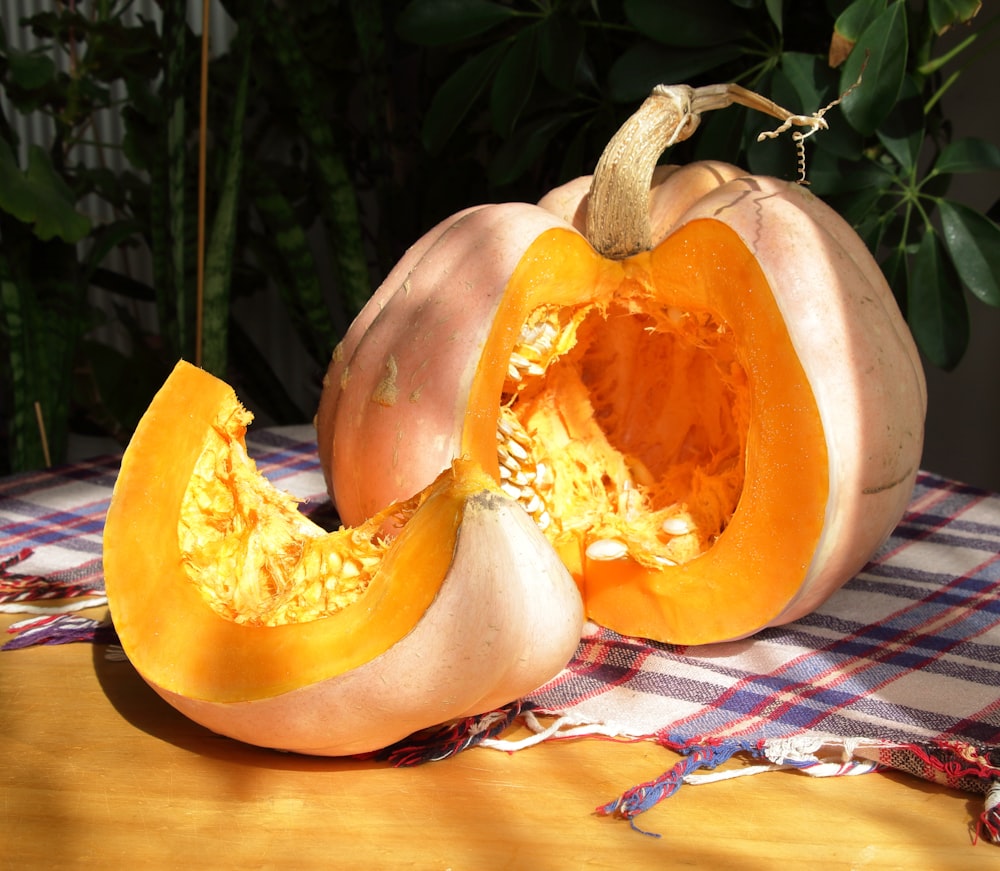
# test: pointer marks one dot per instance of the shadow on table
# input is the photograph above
(140, 706)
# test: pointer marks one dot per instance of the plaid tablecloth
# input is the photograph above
(900, 669)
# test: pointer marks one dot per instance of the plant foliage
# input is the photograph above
(550, 80)
(340, 130)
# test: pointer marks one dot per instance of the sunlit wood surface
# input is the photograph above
(98, 772)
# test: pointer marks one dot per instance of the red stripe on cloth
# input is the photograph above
(53, 529)
(791, 696)
(592, 660)
(86, 579)
(920, 509)
(991, 713)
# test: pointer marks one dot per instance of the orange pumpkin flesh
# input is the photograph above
(257, 623)
(749, 377)
(649, 421)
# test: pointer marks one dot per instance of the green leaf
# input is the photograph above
(337, 194)
(841, 141)
(882, 51)
(646, 64)
(686, 23)
(852, 189)
(172, 225)
(973, 241)
(369, 27)
(30, 69)
(576, 158)
(110, 236)
(856, 18)
(514, 82)
(440, 22)
(523, 149)
(259, 381)
(456, 97)
(16, 310)
(778, 157)
(560, 50)
(116, 389)
(902, 132)
(806, 72)
(857, 204)
(775, 10)
(816, 86)
(720, 135)
(894, 269)
(968, 155)
(936, 308)
(299, 281)
(222, 240)
(123, 285)
(41, 324)
(944, 13)
(39, 196)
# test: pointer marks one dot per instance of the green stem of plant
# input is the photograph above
(940, 92)
(934, 65)
(983, 50)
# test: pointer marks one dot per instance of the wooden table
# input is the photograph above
(97, 771)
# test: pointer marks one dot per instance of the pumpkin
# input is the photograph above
(255, 622)
(697, 381)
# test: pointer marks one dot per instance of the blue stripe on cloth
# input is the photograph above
(885, 658)
(101, 472)
(28, 518)
(910, 649)
(46, 527)
(279, 453)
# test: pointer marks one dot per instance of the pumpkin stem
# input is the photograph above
(618, 209)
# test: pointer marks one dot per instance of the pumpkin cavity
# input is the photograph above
(251, 554)
(624, 426)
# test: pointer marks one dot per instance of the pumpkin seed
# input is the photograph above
(607, 549)
(677, 526)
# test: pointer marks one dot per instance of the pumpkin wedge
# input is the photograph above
(255, 622)
(695, 380)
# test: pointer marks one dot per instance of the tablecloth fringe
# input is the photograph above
(957, 764)
(51, 627)
(989, 820)
(442, 742)
(800, 753)
(19, 592)
(814, 755)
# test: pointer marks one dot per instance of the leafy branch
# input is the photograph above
(552, 80)
(356, 125)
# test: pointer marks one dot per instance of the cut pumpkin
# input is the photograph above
(715, 424)
(260, 625)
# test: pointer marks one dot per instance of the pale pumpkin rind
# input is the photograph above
(394, 396)
(836, 388)
(468, 610)
(857, 352)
